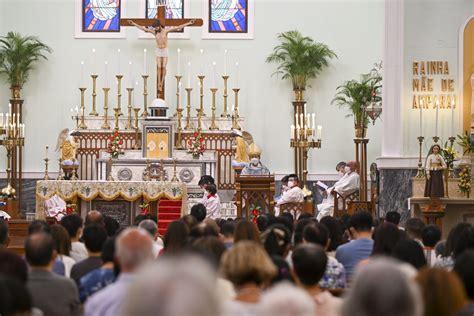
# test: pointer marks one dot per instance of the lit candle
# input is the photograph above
(46, 151)
(14, 118)
(179, 61)
(320, 132)
(296, 119)
(14, 129)
(237, 74)
(292, 131)
(314, 120)
(452, 116)
(437, 114)
(225, 62)
(130, 73)
(144, 61)
(308, 122)
(94, 70)
(301, 120)
(421, 117)
(189, 74)
(202, 62)
(10, 108)
(214, 74)
(1, 120)
(105, 75)
(304, 107)
(7, 116)
(82, 74)
(118, 61)
(77, 110)
(297, 132)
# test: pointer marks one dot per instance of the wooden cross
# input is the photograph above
(164, 22)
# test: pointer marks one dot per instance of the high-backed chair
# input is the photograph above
(342, 202)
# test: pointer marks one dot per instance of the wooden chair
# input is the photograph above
(341, 203)
(294, 208)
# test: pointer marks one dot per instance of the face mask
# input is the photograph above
(291, 184)
(254, 161)
(347, 169)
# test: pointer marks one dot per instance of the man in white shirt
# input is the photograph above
(73, 224)
(349, 183)
(293, 194)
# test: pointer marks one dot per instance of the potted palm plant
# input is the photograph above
(18, 54)
(300, 59)
(357, 96)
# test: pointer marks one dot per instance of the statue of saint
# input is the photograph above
(241, 148)
(255, 167)
(435, 166)
(161, 35)
(67, 145)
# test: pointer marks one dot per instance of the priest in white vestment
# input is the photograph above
(348, 184)
(293, 194)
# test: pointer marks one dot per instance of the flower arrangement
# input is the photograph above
(467, 142)
(464, 184)
(114, 148)
(195, 145)
(145, 208)
(255, 210)
(70, 208)
(449, 154)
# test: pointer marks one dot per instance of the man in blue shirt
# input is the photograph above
(360, 247)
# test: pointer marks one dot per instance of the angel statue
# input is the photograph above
(242, 142)
(67, 145)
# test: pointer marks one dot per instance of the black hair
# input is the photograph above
(453, 238)
(284, 179)
(276, 240)
(111, 225)
(13, 265)
(189, 220)
(316, 233)
(283, 270)
(14, 297)
(309, 263)
(3, 232)
(211, 248)
(108, 250)
(157, 23)
(393, 217)
(211, 188)
(199, 212)
(38, 226)
(463, 267)
(228, 228)
(39, 249)
(414, 227)
(286, 220)
(72, 223)
(206, 180)
(341, 164)
(175, 237)
(361, 221)
(263, 221)
(294, 176)
(385, 236)
(410, 251)
(336, 231)
(431, 235)
(300, 225)
(464, 242)
(94, 237)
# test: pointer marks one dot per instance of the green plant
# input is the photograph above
(358, 95)
(300, 58)
(467, 142)
(18, 54)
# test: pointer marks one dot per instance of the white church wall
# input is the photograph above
(353, 29)
(432, 33)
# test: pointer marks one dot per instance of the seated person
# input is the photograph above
(212, 203)
(55, 207)
(293, 194)
(284, 187)
(348, 184)
(255, 167)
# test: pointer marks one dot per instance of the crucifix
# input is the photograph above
(160, 27)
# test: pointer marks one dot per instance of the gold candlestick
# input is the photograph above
(117, 114)
(175, 178)
(145, 96)
(136, 146)
(129, 107)
(178, 93)
(109, 169)
(46, 176)
(213, 126)
(119, 93)
(235, 123)
(224, 113)
(188, 109)
(178, 142)
(106, 108)
(94, 95)
(60, 169)
(421, 170)
(201, 95)
(82, 125)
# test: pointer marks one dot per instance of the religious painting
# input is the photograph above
(157, 143)
(228, 19)
(99, 19)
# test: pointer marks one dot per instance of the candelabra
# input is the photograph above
(201, 95)
(82, 125)
(224, 113)
(145, 96)
(178, 144)
(421, 170)
(119, 93)
(12, 136)
(451, 174)
(175, 178)
(188, 109)
(117, 115)
(106, 108)
(213, 126)
(136, 146)
(129, 107)
(303, 140)
(235, 117)
(178, 93)
(94, 95)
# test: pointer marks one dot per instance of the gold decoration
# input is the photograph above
(188, 126)
(145, 96)
(94, 95)
(224, 113)
(213, 126)
(235, 116)
(106, 108)
(201, 95)
(136, 146)
(129, 108)
(178, 94)
(119, 93)
(82, 125)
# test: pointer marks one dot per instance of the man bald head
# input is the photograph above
(94, 217)
(133, 248)
(39, 250)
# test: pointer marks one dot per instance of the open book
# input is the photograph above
(322, 185)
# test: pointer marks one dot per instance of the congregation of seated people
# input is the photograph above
(279, 265)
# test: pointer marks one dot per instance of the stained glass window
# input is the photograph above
(228, 16)
(174, 8)
(101, 15)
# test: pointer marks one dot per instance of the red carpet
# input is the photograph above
(168, 211)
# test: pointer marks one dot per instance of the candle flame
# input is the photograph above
(144, 50)
(179, 50)
(93, 50)
(106, 62)
(118, 50)
(213, 63)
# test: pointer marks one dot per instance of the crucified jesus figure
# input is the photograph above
(161, 35)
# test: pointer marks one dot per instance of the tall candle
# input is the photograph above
(118, 61)
(189, 74)
(179, 61)
(301, 120)
(130, 79)
(452, 117)
(82, 74)
(292, 131)
(46, 151)
(1, 120)
(144, 61)
(202, 62)
(437, 114)
(320, 131)
(105, 75)
(314, 120)
(237, 74)
(94, 69)
(304, 107)
(214, 74)
(225, 62)
(9, 108)
(421, 117)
